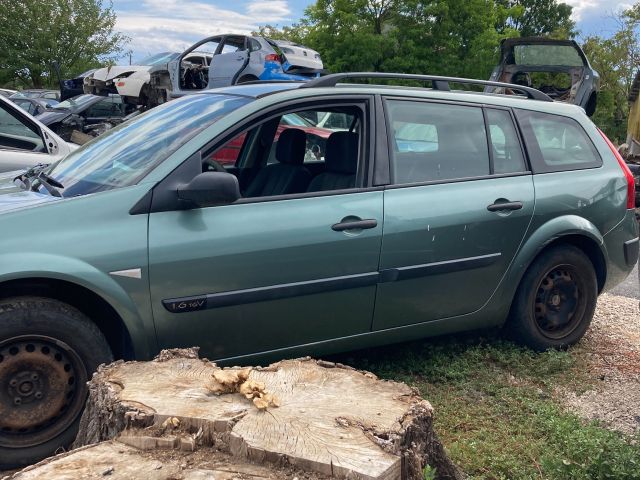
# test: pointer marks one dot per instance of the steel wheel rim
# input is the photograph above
(559, 303)
(42, 389)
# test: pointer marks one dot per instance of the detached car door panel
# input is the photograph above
(455, 219)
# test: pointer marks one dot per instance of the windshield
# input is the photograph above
(158, 58)
(125, 154)
(560, 55)
(76, 103)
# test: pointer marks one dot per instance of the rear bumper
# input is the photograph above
(622, 246)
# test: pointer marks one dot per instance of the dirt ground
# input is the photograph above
(612, 351)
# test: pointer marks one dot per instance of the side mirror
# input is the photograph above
(209, 189)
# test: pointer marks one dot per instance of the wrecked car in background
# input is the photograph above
(86, 113)
(558, 68)
(236, 59)
(73, 87)
(131, 82)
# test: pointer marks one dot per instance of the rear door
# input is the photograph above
(226, 67)
(460, 204)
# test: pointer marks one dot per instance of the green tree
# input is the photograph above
(616, 59)
(37, 34)
(533, 18)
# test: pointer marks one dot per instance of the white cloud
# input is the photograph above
(173, 25)
(591, 8)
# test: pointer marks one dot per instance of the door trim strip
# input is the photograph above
(288, 290)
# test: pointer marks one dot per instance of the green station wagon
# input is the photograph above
(423, 211)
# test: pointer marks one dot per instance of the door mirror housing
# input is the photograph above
(209, 189)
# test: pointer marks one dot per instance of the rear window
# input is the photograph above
(557, 143)
(561, 55)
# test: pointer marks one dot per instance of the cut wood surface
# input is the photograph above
(325, 419)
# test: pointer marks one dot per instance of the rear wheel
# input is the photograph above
(555, 301)
(48, 351)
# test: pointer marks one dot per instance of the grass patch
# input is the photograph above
(495, 409)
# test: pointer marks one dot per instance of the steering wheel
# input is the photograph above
(217, 166)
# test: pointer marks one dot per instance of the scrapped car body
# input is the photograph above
(85, 113)
(38, 93)
(24, 141)
(5, 92)
(34, 106)
(558, 68)
(236, 59)
(426, 211)
(73, 87)
(131, 82)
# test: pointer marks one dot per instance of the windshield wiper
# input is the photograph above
(36, 172)
(50, 184)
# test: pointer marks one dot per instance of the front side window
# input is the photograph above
(433, 141)
(125, 154)
(291, 154)
(17, 135)
(557, 143)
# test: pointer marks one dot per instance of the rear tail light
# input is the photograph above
(631, 187)
(272, 57)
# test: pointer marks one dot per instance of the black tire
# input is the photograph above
(555, 301)
(48, 351)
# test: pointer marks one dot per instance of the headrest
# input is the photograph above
(291, 146)
(342, 153)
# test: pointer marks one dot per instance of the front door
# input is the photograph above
(461, 203)
(278, 269)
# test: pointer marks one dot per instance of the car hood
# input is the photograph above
(109, 73)
(13, 197)
(52, 116)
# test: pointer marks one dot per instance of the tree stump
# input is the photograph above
(296, 417)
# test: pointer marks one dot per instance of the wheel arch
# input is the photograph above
(565, 230)
(94, 306)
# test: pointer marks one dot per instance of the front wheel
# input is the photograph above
(555, 301)
(48, 351)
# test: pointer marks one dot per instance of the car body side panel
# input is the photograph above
(618, 266)
(102, 238)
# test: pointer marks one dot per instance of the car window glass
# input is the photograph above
(559, 143)
(507, 153)
(291, 154)
(104, 108)
(228, 154)
(254, 45)
(124, 154)
(233, 44)
(432, 141)
(15, 134)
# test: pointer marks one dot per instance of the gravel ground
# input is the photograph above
(612, 349)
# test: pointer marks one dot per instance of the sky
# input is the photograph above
(173, 25)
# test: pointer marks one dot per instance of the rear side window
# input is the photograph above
(557, 143)
(433, 141)
(505, 144)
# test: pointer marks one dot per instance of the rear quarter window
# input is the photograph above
(556, 143)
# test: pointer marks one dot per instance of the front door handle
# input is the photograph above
(502, 204)
(354, 225)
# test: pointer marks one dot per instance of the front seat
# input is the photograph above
(341, 163)
(289, 175)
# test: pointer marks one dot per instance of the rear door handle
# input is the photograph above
(354, 225)
(502, 204)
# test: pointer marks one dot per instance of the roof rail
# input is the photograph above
(438, 83)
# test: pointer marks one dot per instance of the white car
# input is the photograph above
(24, 141)
(132, 81)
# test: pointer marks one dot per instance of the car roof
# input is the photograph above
(291, 90)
